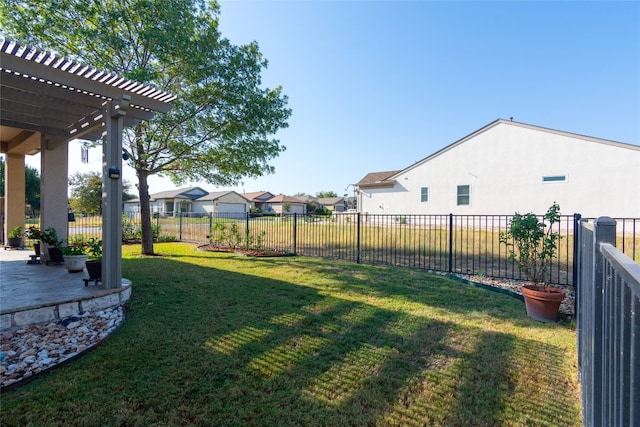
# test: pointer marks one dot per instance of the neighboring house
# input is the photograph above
(311, 203)
(350, 203)
(334, 204)
(507, 167)
(281, 203)
(223, 203)
(169, 203)
(259, 200)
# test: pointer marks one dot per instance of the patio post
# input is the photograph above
(112, 196)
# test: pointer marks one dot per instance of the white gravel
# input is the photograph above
(567, 306)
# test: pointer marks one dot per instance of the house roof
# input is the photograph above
(374, 179)
(215, 195)
(180, 193)
(257, 196)
(330, 201)
(307, 198)
(512, 123)
(281, 198)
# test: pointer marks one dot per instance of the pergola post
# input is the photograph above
(14, 193)
(53, 188)
(112, 193)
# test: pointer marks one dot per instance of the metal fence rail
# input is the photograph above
(463, 244)
(608, 297)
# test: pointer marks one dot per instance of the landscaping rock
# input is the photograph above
(30, 351)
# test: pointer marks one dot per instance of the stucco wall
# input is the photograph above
(504, 166)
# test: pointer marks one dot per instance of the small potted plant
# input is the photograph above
(50, 237)
(14, 238)
(74, 257)
(34, 234)
(94, 263)
(533, 244)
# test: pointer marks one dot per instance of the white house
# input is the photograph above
(508, 167)
(193, 200)
(169, 203)
(223, 203)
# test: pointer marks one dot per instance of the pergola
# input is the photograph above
(47, 100)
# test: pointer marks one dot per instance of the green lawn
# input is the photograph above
(218, 339)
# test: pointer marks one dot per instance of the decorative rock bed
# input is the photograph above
(29, 351)
(567, 307)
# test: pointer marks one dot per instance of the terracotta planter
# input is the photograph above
(542, 302)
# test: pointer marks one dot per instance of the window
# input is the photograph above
(554, 178)
(424, 194)
(463, 195)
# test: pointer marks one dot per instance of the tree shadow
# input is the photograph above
(206, 346)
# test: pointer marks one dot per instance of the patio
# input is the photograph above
(37, 293)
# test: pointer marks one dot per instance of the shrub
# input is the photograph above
(15, 233)
(530, 245)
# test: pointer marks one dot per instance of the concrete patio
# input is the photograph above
(39, 293)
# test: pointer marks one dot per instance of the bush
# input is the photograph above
(15, 233)
(323, 211)
(530, 245)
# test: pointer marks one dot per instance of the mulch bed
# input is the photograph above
(245, 252)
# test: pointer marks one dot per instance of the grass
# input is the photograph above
(215, 339)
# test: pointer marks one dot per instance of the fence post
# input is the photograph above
(295, 233)
(180, 226)
(210, 226)
(576, 254)
(450, 243)
(604, 231)
(358, 240)
(246, 231)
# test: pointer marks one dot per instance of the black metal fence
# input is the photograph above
(608, 297)
(462, 244)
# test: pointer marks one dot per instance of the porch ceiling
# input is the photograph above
(44, 93)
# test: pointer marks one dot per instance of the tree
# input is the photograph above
(31, 184)
(220, 129)
(86, 192)
(31, 187)
(326, 194)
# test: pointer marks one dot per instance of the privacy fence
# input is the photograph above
(608, 307)
(462, 244)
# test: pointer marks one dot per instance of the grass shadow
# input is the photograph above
(216, 340)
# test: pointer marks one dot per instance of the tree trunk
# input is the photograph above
(145, 213)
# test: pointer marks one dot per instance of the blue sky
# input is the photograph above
(379, 85)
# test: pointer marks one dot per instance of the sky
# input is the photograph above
(379, 85)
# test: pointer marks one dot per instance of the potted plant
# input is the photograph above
(74, 257)
(50, 237)
(94, 263)
(35, 234)
(532, 243)
(14, 238)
